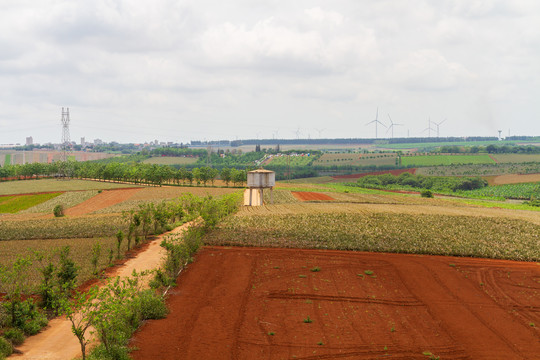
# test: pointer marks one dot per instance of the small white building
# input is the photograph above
(259, 180)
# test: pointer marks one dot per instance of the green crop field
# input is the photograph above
(291, 160)
(364, 230)
(516, 158)
(434, 160)
(356, 159)
(524, 191)
(171, 160)
(13, 204)
(406, 146)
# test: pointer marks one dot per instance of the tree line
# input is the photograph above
(138, 173)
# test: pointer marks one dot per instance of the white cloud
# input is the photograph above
(428, 70)
(118, 63)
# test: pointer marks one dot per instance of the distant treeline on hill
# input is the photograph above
(408, 140)
(491, 149)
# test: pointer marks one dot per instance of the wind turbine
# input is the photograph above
(391, 127)
(438, 124)
(376, 121)
(428, 129)
(320, 131)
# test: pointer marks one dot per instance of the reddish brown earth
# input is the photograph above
(251, 303)
(102, 200)
(307, 195)
(393, 172)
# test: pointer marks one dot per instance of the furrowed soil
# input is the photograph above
(103, 200)
(307, 196)
(256, 303)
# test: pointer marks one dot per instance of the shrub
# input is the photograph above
(58, 210)
(149, 305)
(67, 272)
(426, 194)
(15, 336)
(5, 348)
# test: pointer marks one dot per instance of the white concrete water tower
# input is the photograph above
(259, 180)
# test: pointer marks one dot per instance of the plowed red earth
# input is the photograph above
(102, 200)
(306, 196)
(254, 303)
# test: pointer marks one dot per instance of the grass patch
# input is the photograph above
(15, 204)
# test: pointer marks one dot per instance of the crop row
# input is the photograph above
(524, 191)
(80, 252)
(497, 238)
(62, 228)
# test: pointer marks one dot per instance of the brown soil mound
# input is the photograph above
(358, 176)
(102, 200)
(240, 303)
(307, 195)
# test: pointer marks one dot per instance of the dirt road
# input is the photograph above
(56, 341)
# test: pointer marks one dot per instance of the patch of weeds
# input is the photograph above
(309, 301)
(531, 324)
(431, 356)
(302, 276)
(308, 320)
(368, 272)
(316, 269)
(276, 267)
(361, 275)
(393, 329)
(320, 343)
(452, 265)
(271, 333)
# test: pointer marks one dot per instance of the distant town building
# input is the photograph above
(29, 141)
(98, 142)
(83, 142)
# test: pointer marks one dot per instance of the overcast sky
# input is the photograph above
(134, 70)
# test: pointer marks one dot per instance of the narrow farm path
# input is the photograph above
(102, 200)
(57, 342)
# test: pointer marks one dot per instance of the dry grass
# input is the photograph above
(51, 185)
(515, 179)
(171, 160)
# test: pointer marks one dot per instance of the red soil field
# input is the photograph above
(393, 172)
(254, 303)
(307, 195)
(102, 200)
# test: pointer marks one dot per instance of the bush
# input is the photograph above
(149, 305)
(426, 194)
(15, 336)
(58, 210)
(5, 348)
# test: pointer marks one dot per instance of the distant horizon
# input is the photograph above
(302, 140)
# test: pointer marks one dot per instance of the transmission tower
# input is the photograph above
(66, 142)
